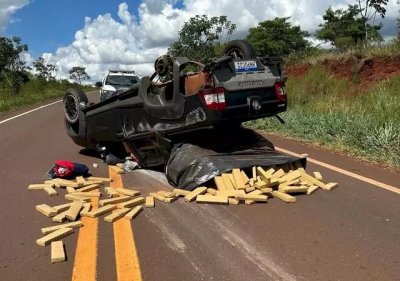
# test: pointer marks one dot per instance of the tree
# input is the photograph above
(78, 73)
(12, 67)
(200, 37)
(44, 70)
(345, 28)
(368, 10)
(277, 37)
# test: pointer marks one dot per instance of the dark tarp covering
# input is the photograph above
(212, 152)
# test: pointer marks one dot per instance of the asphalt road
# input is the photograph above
(350, 233)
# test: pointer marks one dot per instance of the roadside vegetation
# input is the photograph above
(322, 110)
(22, 85)
(33, 92)
(352, 115)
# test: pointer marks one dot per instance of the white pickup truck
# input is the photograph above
(117, 81)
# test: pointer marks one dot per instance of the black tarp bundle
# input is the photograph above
(209, 153)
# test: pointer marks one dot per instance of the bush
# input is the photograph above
(321, 111)
(34, 91)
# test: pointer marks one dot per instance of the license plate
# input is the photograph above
(245, 66)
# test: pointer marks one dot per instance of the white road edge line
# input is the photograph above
(30, 111)
(347, 173)
(328, 166)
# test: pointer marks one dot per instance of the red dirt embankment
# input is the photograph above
(367, 71)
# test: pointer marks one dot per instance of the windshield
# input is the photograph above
(121, 80)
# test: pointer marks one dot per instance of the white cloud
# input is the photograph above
(134, 42)
(104, 43)
(7, 9)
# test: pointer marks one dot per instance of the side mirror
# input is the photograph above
(99, 84)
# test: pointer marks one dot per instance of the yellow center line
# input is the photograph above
(126, 258)
(86, 248)
(344, 172)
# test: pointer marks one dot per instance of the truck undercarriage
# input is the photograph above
(181, 97)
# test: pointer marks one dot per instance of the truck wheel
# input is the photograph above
(239, 49)
(72, 101)
(163, 65)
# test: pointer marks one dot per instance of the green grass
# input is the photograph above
(317, 56)
(320, 110)
(35, 91)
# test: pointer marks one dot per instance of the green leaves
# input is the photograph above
(349, 27)
(12, 67)
(200, 37)
(10, 50)
(78, 73)
(43, 69)
(277, 37)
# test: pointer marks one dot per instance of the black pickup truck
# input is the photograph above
(181, 96)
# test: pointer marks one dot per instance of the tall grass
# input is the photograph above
(316, 56)
(321, 110)
(33, 92)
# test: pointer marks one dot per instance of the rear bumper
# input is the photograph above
(247, 112)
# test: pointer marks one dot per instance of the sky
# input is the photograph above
(130, 35)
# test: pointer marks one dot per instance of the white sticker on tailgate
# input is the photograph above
(246, 65)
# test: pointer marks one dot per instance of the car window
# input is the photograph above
(121, 80)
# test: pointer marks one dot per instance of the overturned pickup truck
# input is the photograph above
(180, 97)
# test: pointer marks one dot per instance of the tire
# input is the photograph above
(163, 65)
(239, 49)
(72, 102)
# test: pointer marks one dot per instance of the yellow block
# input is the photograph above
(50, 190)
(166, 194)
(312, 189)
(57, 251)
(101, 211)
(149, 202)
(99, 179)
(116, 215)
(157, 196)
(89, 187)
(135, 211)
(294, 189)
(53, 236)
(227, 182)
(238, 179)
(212, 191)
(212, 199)
(219, 182)
(114, 200)
(312, 180)
(284, 197)
(250, 189)
(230, 193)
(192, 195)
(233, 201)
(74, 210)
(265, 175)
(46, 210)
(181, 192)
(50, 229)
(317, 175)
(257, 198)
(39, 186)
(278, 174)
(245, 177)
(330, 186)
(132, 203)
